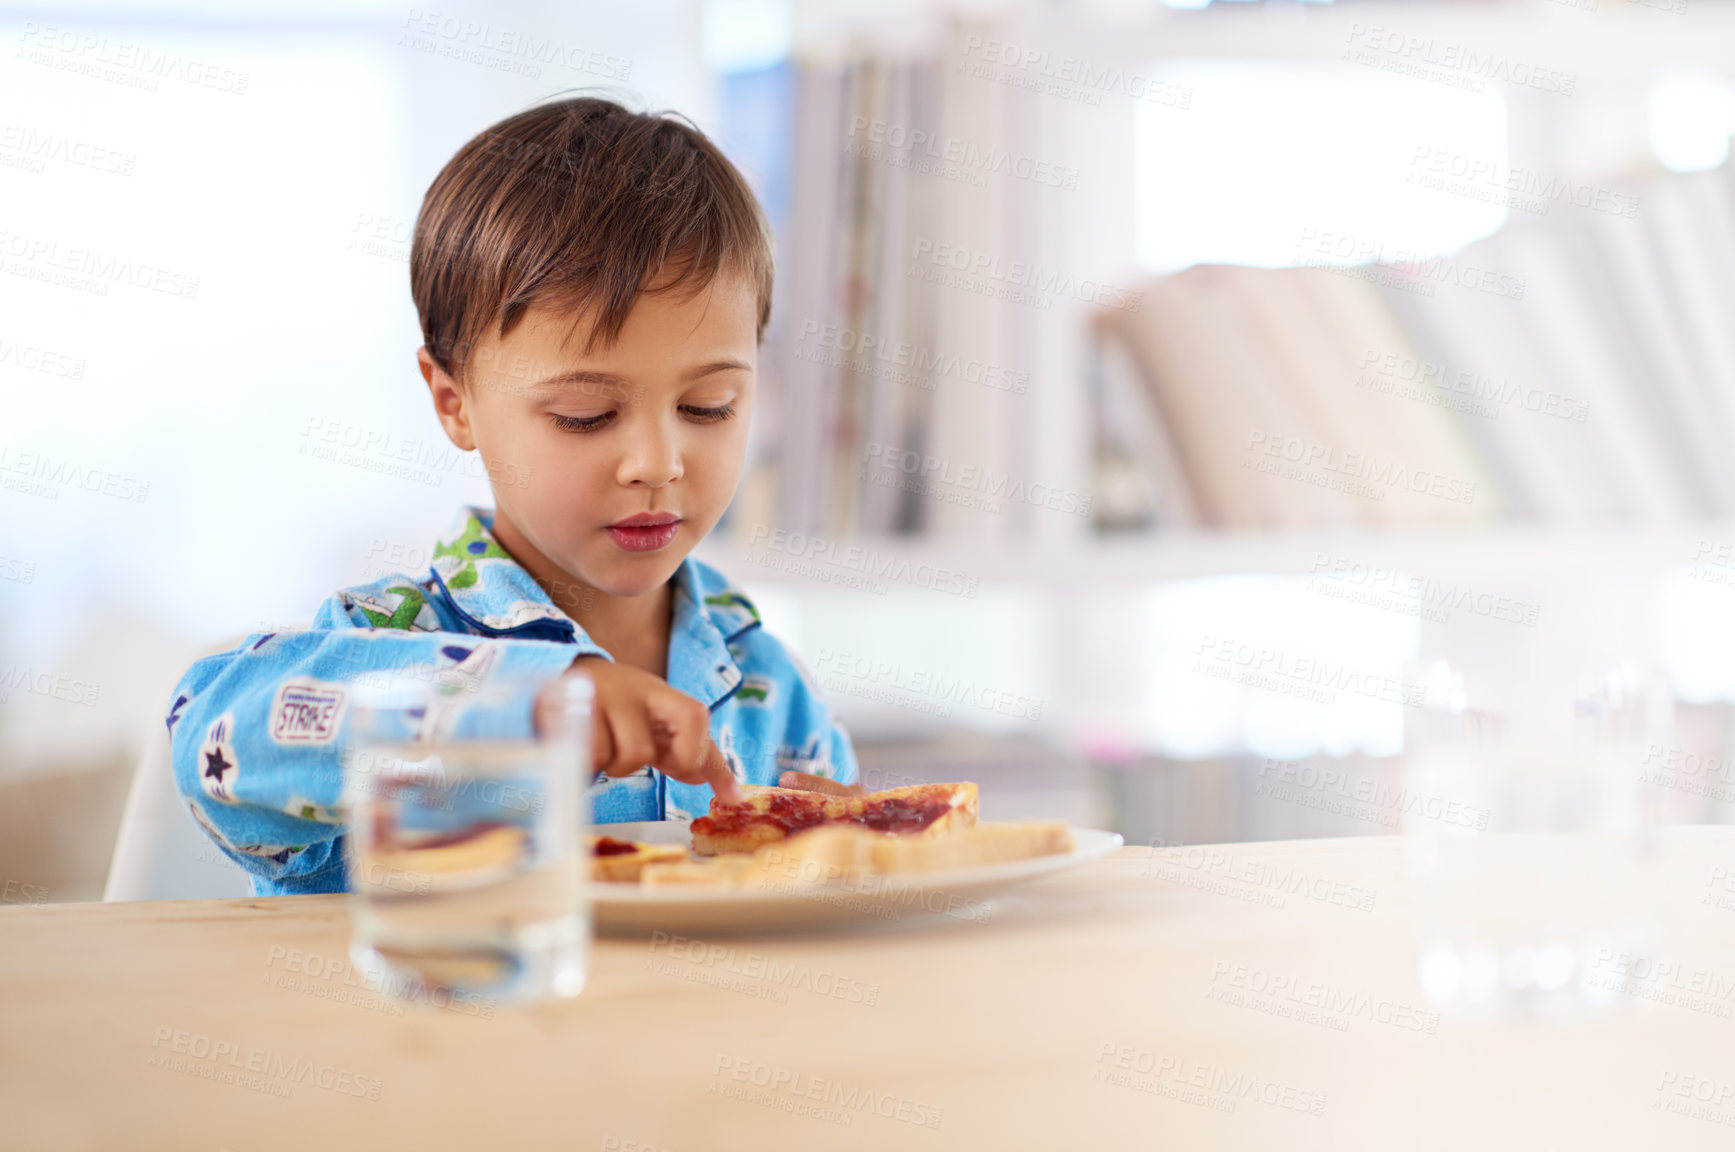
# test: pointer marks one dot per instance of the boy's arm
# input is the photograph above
(254, 732)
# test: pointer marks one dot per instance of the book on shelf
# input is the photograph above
(1573, 368)
(1577, 367)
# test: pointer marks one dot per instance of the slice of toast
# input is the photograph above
(973, 847)
(846, 850)
(621, 861)
(767, 815)
(728, 871)
(842, 853)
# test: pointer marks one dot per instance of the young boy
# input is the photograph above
(593, 285)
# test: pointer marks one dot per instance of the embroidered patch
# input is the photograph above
(306, 809)
(755, 689)
(218, 767)
(456, 562)
(734, 604)
(307, 711)
(400, 616)
(471, 665)
(813, 756)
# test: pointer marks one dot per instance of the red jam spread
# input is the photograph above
(792, 814)
(902, 815)
(609, 846)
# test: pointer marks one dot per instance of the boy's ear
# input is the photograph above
(451, 405)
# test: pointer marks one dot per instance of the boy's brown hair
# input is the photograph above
(578, 203)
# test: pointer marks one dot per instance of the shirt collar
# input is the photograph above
(709, 614)
(499, 596)
(490, 589)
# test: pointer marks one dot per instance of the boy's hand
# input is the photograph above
(814, 783)
(638, 719)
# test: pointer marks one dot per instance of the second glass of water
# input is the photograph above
(1530, 837)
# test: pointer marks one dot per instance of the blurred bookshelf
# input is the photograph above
(1558, 383)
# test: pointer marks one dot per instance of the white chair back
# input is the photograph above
(161, 853)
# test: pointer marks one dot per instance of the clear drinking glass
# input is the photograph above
(1527, 833)
(466, 853)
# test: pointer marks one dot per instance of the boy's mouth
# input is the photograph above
(645, 532)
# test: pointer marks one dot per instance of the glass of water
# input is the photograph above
(466, 855)
(1528, 837)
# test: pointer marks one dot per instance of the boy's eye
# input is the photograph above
(592, 423)
(710, 415)
(581, 423)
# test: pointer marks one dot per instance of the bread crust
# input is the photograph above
(625, 867)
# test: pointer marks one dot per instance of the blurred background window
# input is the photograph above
(1294, 148)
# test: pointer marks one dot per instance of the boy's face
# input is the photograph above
(575, 444)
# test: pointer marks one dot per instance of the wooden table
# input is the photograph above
(1115, 1006)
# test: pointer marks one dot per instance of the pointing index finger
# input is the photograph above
(718, 776)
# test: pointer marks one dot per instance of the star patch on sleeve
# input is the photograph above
(218, 766)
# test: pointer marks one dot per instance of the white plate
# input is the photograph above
(959, 893)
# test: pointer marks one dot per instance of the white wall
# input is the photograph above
(286, 187)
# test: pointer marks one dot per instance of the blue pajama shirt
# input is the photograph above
(256, 733)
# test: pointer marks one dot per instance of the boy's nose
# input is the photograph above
(653, 461)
